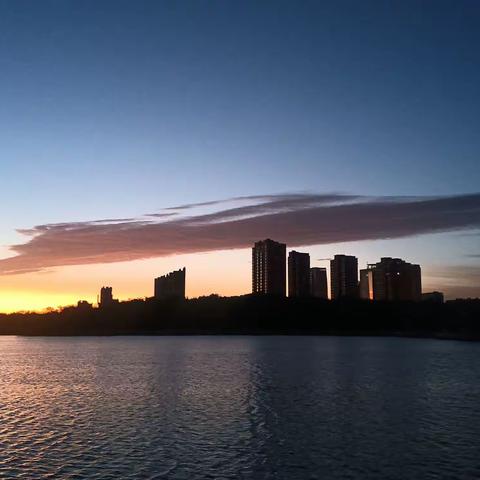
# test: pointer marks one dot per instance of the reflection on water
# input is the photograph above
(239, 407)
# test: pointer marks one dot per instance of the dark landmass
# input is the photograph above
(255, 315)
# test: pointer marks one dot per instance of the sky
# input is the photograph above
(335, 126)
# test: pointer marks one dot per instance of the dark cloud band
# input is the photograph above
(297, 219)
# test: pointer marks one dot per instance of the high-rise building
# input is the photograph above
(171, 285)
(269, 267)
(298, 274)
(318, 282)
(395, 279)
(106, 297)
(391, 279)
(344, 276)
(366, 283)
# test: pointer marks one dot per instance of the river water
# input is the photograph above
(239, 408)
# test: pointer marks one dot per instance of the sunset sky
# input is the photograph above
(137, 137)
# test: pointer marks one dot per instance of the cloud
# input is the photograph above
(188, 206)
(161, 215)
(270, 201)
(296, 219)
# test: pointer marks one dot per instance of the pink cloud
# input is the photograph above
(297, 219)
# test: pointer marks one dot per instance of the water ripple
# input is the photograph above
(238, 408)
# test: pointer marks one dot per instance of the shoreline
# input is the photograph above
(255, 315)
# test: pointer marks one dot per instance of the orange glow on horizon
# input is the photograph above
(223, 272)
(30, 301)
(226, 272)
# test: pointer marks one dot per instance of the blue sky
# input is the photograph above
(120, 108)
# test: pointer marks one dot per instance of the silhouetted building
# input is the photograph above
(269, 267)
(433, 297)
(106, 297)
(391, 279)
(344, 276)
(84, 305)
(366, 284)
(318, 282)
(298, 274)
(171, 285)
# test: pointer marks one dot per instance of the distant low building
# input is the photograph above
(84, 305)
(298, 274)
(433, 297)
(318, 282)
(171, 285)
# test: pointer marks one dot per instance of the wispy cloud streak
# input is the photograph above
(455, 281)
(297, 219)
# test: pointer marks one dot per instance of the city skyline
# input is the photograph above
(274, 273)
(138, 138)
(270, 207)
